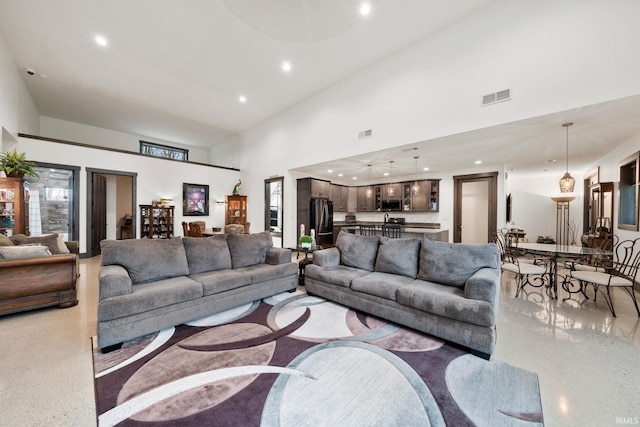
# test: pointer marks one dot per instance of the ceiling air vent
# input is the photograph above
(494, 98)
(365, 134)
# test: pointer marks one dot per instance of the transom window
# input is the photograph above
(163, 151)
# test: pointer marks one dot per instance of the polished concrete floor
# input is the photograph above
(587, 361)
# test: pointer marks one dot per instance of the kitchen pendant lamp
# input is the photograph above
(416, 187)
(369, 192)
(390, 190)
(567, 182)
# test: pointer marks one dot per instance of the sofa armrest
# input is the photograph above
(73, 247)
(114, 281)
(277, 256)
(483, 285)
(327, 257)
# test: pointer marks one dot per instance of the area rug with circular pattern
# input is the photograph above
(299, 360)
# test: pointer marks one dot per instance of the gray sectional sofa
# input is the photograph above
(148, 285)
(449, 290)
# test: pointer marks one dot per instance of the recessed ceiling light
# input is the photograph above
(340, 174)
(477, 162)
(242, 99)
(386, 174)
(365, 8)
(355, 177)
(286, 66)
(330, 171)
(425, 169)
(550, 161)
(101, 40)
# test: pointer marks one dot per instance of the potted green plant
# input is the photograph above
(306, 241)
(15, 165)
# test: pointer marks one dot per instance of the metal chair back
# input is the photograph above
(392, 231)
(367, 230)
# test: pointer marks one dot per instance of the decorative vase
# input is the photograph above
(305, 245)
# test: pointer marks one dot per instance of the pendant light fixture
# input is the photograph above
(390, 190)
(369, 192)
(567, 182)
(416, 187)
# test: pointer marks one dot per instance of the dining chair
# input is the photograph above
(195, 229)
(620, 272)
(185, 229)
(528, 271)
(367, 230)
(234, 229)
(393, 231)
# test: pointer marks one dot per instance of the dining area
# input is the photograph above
(199, 229)
(579, 271)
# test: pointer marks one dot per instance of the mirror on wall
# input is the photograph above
(628, 178)
(273, 213)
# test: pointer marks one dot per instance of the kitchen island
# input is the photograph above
(429, 230)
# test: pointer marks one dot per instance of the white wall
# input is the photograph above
(17, 110)
(76, 132)
(157, 178)
(542, 51)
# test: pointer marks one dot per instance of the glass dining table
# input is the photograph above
(554, 252)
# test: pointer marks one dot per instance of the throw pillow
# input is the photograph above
(52, 241)
(357, 251)
(398, 256)
(249, 249)
(453, 263)
(207, 254)
(147, 260)
(5, 241)
(22, 252)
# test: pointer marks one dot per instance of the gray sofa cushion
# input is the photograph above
(214, 282)
(340, 275)
(207, 254)
(446, 301)
(383, 285)
(398, 256)
(147, 259)
(264, 272)
(453, 263)
(150, 296)
(357, 251)
(249, 249)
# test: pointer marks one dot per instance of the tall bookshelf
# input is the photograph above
(156, 222)
(14, 206)
(236, 212)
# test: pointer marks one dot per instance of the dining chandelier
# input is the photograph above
(567, 182)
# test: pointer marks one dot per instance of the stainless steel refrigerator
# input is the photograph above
(321, 220)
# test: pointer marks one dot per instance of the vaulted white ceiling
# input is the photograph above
(173, 70)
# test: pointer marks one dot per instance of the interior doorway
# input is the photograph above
(111, 195)
(475, 207)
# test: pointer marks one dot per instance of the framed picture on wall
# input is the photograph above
(195, 200)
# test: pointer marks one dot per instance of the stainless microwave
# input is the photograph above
(391, 205)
